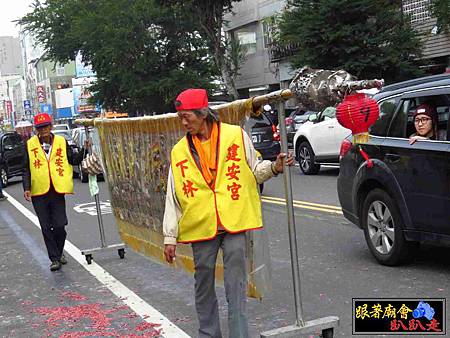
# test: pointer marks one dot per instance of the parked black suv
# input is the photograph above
(264, 136)
(11, 156)
(263, 133)
(404, 199)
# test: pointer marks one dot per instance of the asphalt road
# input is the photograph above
(335, 267)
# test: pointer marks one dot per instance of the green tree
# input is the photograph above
(227, 54)
(370, 39)
(143, 53)
(441, 10)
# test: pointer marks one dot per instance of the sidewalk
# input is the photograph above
(69, 303)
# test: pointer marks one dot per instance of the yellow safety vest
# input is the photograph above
(233, 202)
(56, 170)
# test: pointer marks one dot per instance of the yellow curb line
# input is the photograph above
(299, 205)
(305, 203)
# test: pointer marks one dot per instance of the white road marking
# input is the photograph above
(91, 209)
(137, 304)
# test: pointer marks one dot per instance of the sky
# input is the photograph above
(12, 10)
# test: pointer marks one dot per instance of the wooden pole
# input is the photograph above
(258, 101)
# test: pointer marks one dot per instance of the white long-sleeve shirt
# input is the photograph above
(172, 213)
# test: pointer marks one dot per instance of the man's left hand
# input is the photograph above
(289, 160)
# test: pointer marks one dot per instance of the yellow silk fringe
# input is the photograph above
(361, 138)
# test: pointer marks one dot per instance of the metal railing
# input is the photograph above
(279, 52)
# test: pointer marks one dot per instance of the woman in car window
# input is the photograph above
(425, 122)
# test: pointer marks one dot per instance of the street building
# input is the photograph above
(51, 77)
(52, 88)
(31, 53)
(10, 56)
(267, 67)
(246, 23)
(436, 51)
(11, 83)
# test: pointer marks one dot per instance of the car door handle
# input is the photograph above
(331, 127)
(393, 158)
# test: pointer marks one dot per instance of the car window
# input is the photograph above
(328, 113)
(443, 122)
(60, 127)
(301, 118)
(398, 125)
(442, 105)
(297, 113)
(17, 140)
(259, 121)
(387, 109)
(66, 135)
(403, 124)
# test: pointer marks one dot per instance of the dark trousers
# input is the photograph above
(235, 280)
(51, 212)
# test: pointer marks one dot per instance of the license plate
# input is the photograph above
(255, 138)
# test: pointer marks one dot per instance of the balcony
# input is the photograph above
(278, 52)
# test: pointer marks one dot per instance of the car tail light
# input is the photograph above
(276, 134)
(346, 145)
(289, 121)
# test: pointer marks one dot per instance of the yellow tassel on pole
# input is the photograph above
(361, 138)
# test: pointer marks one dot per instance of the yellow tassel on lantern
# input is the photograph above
(361, 138)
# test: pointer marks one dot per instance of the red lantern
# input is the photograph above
(358, 112)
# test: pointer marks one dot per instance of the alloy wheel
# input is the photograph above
(305, 158)
(381, 227)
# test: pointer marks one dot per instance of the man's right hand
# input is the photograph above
(169, 252)
(27, 195)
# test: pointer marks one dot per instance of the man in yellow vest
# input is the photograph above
(212, 200)
(47, 177)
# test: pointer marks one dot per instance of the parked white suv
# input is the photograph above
(318, 141)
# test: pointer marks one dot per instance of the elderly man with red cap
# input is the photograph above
(47, 177)
(212, 200)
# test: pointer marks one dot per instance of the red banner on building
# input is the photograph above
(9, 108)
(41, 94)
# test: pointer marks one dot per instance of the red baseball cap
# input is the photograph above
(192, 99)
(42, 120)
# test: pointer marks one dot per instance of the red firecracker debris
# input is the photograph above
(69, 314)
(100, 317)
(88, 334)
(130, 315)
(146, 326)
(73, 296)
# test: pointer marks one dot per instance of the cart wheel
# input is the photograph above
(121, 253)
(89, 258)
